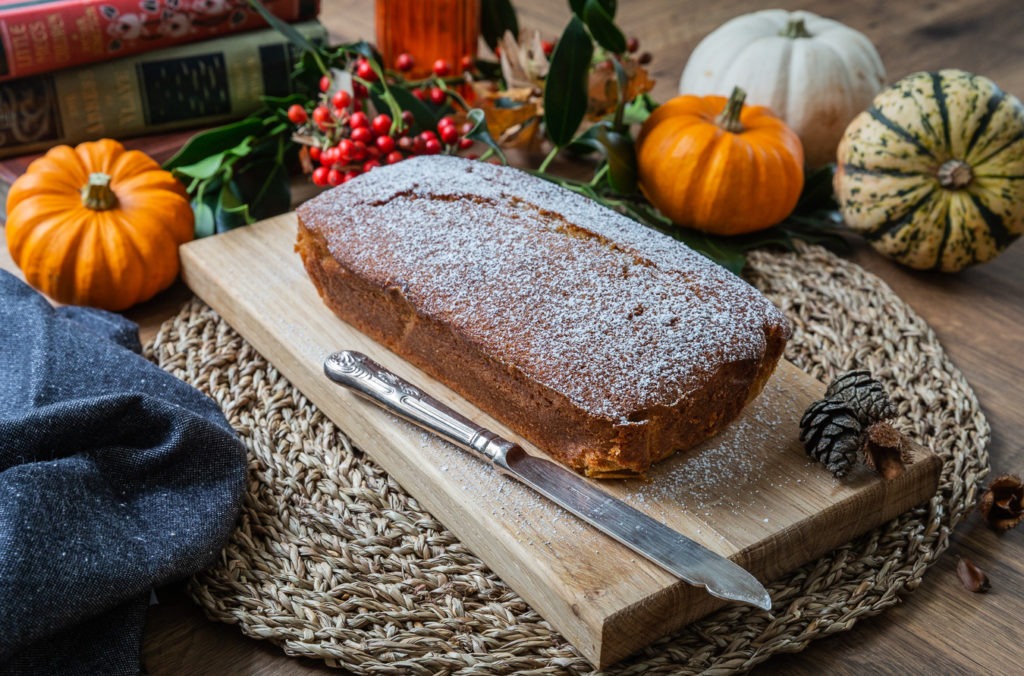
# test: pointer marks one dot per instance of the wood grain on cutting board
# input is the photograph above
(750, 493)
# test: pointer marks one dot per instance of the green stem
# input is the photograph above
(547, 160)
(601, 173)
(96, 193)
(729, 118)
(386, 95)
(796, 28)
(454, 94)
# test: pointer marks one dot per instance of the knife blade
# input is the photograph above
(676, 553)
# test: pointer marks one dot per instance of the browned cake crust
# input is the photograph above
(606, 344)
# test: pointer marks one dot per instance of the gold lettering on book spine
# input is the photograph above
(58, 39)
(90, 34)
(129, 112)
(40, 36)
(21, 45)
(89, 89)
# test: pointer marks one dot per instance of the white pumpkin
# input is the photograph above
(814, 73)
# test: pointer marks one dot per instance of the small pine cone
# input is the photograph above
(832, 434)
(865, 395)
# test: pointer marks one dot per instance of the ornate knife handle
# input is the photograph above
(369, 379)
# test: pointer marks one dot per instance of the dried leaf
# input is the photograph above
(1002, 503)
(511, 123)
(523, 62)
(603, 87)
(971, 577)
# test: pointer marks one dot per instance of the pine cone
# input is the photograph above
(832, 434)
(866, 396)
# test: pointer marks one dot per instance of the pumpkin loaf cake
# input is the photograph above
(603, 342)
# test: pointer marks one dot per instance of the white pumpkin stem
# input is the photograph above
(955, 174)
(729, 118)
(796, 28)
(96, 194)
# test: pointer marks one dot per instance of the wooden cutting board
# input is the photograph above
(750, 494)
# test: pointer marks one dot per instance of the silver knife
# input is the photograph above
(652, 539)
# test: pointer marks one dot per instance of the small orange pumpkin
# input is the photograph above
(98, 225)
(713, 164)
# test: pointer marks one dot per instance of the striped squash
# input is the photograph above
(932, 174)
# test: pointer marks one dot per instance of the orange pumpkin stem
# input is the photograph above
(955, 174)
(795, 29)
(96, 194)
(729, 118)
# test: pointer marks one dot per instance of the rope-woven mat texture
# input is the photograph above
(332, 560)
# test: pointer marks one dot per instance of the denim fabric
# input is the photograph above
(115, 477)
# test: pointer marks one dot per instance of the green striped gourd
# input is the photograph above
(932, 174)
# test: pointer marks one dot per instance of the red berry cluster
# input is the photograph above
(429, 89)
(349, 142)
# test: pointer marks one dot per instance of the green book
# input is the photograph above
(194, 85)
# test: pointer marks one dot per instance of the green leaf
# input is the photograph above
(496, 17)
(638, 110)
(565, 92)
(281, 103)
(216, 140)
(820, 227)
(229, 211)
(818, 193)
(423, 116)
(602, 26)
(206, 224)
(284, 28)
(366, 49)
(210, 166)
(479, 132)
(587, 142)
(489, 70)
(621, 155)
(579, 7)
(264, 186)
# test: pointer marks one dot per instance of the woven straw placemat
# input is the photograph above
(332, 560)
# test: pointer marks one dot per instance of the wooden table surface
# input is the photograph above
(978, 315)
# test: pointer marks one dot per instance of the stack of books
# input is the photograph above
(80, 70)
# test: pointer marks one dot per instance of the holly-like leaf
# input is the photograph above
(479, 132)
(497, 17)
(638, 110)
(565, 92)
(264, 185)
(602, 26)
(214, 141)
(211, 165)
(587, 142)
(817, 192)
(578, 7)
(230, 211)
(284, 28)
(731, 257)
(620, 154)
(422, 114)
(205, 222)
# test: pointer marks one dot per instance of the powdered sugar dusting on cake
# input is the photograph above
(570, 293)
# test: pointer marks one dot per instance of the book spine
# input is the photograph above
(195, 85)
(43, 35)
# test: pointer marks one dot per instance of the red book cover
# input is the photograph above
(45, 35)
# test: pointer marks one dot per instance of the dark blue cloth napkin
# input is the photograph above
(115, 477)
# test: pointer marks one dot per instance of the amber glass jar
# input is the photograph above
(428, 30)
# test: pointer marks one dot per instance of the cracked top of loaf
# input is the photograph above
(613, 315)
